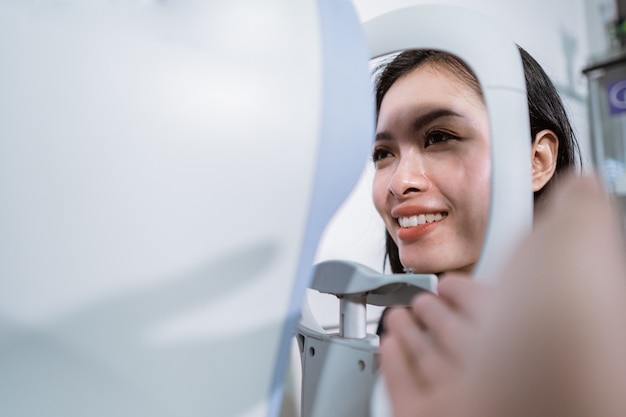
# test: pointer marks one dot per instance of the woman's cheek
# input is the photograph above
(379, 192)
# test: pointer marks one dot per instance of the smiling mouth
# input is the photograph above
(419, 219)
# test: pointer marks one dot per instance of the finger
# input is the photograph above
(416, 344)
(401, 324)
(446, 327)
(401, 385)
(463, 293)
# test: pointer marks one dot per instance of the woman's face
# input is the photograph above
(432, 178)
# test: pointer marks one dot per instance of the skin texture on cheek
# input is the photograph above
(457, 247)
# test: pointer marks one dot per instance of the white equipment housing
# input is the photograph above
(166, 169)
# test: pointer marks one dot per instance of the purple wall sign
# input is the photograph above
(616, 93)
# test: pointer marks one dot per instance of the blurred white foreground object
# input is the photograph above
(166, 169)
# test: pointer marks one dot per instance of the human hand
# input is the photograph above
(554, 342)
(425, 348)
(546, 340)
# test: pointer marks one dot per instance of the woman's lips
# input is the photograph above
(419, 219)
(418, 225)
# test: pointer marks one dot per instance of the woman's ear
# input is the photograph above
(544, 153)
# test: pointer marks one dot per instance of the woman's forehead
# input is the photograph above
(441, 72)
(428, 87)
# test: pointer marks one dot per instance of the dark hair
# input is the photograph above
(545, 108)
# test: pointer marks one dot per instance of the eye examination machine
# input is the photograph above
(166, 171)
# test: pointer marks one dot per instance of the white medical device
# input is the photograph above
(339, 369)
(166, 169)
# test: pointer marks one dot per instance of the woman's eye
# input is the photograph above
(438, 136)
(380, 154)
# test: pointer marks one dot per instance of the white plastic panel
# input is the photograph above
(157, 164)
(346, 134)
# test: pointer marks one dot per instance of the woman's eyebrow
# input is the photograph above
(383, 136)
(421, 121)
(433, 115)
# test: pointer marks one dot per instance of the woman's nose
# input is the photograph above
(409, 177)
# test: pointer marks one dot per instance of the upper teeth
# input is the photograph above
(418, 219)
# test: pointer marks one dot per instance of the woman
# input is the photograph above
(432, 157)
(431, 188)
